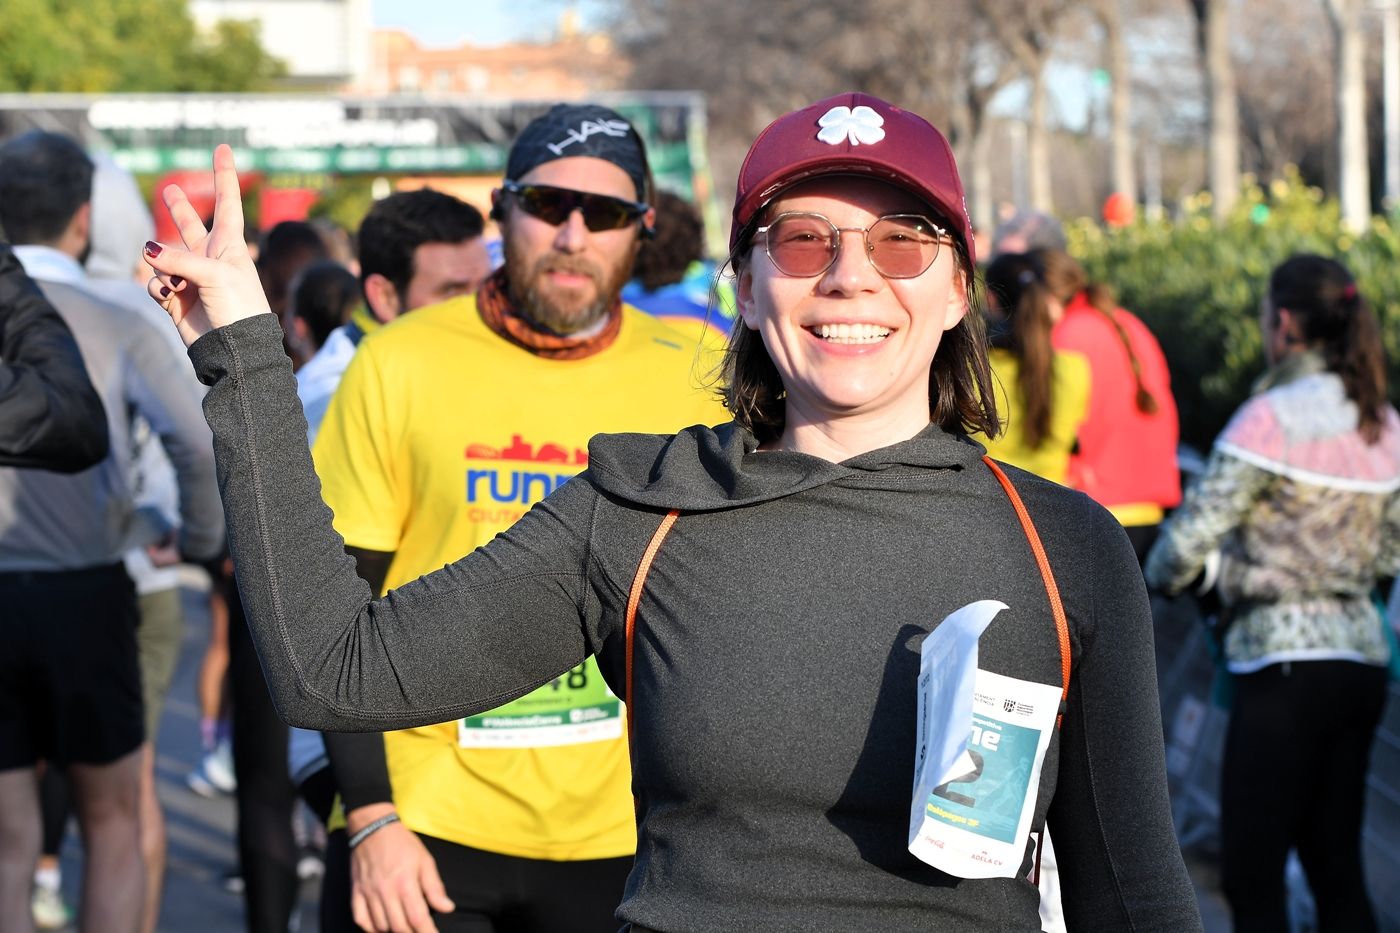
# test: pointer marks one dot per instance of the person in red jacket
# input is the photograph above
(1126, 456)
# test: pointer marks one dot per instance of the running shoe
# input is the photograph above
(232, 881)
(49, 911)
(310, 865)
(213, 776)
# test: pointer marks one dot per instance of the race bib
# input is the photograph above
(982, 741)
(575, 708)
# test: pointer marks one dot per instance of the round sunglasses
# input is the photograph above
(554, 205)
(804, 244)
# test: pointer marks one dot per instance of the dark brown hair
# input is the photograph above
(45, 178)
(324, 294)
(1018, 282)
(1322, 297)
(1066, 278)
(960, 379)
(679, 240)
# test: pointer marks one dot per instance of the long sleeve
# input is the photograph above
(360, 766)
(1388, 564)
(1213, 506)
(161, 392)
(484, 630)
(1111, 822)
(358, 760)
(50, 415)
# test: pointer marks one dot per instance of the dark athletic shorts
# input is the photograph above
(70, 682)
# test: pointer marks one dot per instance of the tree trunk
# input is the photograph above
(972, 147)
(979, 181)
(1354, 170)
(1120, 101)
(1223, 155)
(1025, 30)
(1038, 149)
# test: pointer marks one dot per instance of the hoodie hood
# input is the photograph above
(121, 221)
(705, 469)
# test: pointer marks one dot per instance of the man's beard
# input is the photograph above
(549, 310)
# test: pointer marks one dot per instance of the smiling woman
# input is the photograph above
(853, 345)
(895, 176)
(758, 592)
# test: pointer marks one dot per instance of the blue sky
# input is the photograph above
(484, 22)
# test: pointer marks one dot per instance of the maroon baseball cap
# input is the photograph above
(852, 134)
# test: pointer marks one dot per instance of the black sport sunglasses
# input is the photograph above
(554, 205)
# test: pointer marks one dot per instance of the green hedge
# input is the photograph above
(1197, 285)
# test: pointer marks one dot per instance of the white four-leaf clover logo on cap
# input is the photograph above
(860, 125)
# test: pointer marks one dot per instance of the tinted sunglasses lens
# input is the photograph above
(801, 244)
(601, 212)
(554, 205)
(903, 246)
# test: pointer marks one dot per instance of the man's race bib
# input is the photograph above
(982, 741)
(575, 708)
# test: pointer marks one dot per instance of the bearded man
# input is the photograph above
(449, 424)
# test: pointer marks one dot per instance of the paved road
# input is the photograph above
(201, 831)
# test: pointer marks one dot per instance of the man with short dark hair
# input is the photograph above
(416, 248)
(449, 424)
(70, 690)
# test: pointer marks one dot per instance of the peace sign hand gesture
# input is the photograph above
(212, 281)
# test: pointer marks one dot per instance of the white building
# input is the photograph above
(321, 41)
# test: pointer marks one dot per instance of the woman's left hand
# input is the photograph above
(212, 281)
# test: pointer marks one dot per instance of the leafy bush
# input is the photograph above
(1197, 285)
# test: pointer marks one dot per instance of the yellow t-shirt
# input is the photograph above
(440, 436)
(1069, 375)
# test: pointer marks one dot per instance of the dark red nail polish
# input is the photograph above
(152, 248)
(164, 292)
(176, 281)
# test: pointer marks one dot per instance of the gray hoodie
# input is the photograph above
(776, 656)
(121, 225)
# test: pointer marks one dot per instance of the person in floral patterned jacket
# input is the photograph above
(1293, 522)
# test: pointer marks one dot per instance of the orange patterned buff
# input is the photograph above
(494, 304)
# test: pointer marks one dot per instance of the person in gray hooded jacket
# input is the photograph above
(769, 645)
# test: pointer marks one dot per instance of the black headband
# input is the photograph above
(580, 130)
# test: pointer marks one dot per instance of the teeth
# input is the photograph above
(852, 333)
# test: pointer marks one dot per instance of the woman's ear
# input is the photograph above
(957, 301)
(744, 297)
(1288, 328)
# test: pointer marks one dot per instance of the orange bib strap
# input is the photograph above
(1057, 608)
(634, 597)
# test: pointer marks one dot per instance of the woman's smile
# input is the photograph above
(850, 335)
